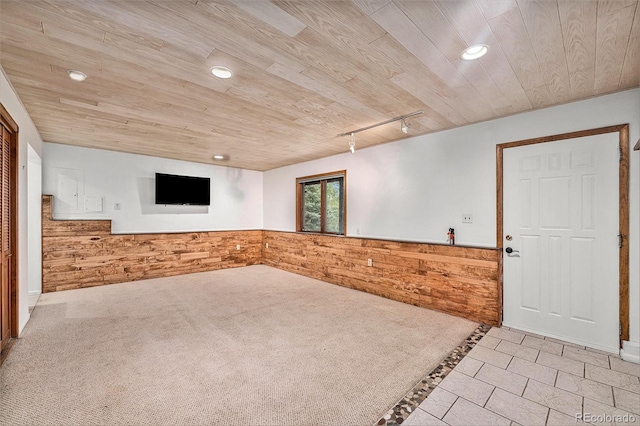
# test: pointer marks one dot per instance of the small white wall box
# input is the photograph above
(93, 204)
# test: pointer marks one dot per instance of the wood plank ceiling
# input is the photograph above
(304, 71)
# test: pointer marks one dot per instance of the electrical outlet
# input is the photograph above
(267, 245)
(467, 218)
(238, 247)
(116, 206)
(357, 231)
(369, 262)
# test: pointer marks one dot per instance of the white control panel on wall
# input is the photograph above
(93, 204)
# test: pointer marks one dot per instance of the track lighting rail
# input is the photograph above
(401, 117)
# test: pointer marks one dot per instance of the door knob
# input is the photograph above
(509, 250)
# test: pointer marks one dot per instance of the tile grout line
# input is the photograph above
(493, 411)
(526, 385)
(546, 421)
(537, 356)
(487, 401)
(449, 409)
(510, 361)
(419, 392)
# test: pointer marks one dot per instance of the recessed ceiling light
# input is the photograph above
(221, 72)
(218, 157)
(77, 75)
(474, 52)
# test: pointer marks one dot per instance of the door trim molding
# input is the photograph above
(9, 123)
(623, 131)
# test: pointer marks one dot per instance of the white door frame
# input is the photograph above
(623, 131)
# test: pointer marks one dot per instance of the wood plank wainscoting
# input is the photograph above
(461, 281)
(458, 280)
(84, 253)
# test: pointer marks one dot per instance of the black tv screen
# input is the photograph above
(186, 190)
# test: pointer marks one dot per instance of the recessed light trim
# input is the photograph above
(76, 75)
(474, 52)
(219, 157)
(221, 72)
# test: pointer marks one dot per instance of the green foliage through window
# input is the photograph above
(312, 207)
(322, 205)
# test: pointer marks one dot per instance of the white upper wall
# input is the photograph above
(417, 188)
(128, 180)
(28, 187)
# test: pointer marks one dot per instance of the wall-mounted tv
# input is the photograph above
(185, 190)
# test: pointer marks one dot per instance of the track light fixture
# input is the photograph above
(352, 143)
(404, 126)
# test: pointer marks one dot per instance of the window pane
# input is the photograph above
(311, 207)
(334, 207)
(321, 203)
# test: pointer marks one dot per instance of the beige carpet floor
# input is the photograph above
(247, 346)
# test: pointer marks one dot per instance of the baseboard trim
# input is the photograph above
(630, 351)
(560, 337)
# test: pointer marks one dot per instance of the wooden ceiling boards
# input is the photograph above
(303, 71)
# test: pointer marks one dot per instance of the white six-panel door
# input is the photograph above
(560, 219)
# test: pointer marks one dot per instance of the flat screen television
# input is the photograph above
(185, 190)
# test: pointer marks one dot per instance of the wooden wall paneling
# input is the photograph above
(458, 280)
(77, 253)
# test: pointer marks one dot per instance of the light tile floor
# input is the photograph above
(516, 378)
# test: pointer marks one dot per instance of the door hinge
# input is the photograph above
(619, 329)
(620, 240)
(620, 151)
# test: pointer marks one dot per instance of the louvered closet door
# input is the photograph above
(5, 240)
